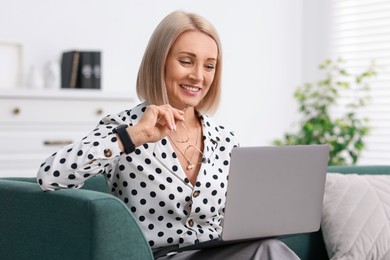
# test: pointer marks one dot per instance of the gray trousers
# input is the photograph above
(254, 250)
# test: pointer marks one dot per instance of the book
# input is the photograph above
(96, 70)
(81, 69)
(66, 69)
(85, 70)
(69, 69)
(74, 72)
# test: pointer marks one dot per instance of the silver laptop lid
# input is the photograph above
(273, 191)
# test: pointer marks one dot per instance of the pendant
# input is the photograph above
(190, 167)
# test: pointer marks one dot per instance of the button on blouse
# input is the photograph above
(196, 193)
(107, 152)
(150, 180)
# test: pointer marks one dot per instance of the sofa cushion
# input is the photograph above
(356, 216)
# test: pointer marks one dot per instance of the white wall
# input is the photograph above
(263, 49)
(316, 33)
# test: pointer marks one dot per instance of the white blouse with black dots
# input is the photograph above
(150, 180)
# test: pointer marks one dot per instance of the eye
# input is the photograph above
(185, 62)
(209, 67)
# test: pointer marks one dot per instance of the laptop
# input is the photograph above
(275, 191)
(272, 191)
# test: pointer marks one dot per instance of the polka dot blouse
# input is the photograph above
(150, 180)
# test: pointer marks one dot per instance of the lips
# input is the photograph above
(189, 88)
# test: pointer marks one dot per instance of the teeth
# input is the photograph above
(193, 89)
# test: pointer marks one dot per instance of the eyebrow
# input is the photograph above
(194, 55)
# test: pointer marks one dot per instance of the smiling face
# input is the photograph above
(190, 68)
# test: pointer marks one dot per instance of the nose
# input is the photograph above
(196, 74)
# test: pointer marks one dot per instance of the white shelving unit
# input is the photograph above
(36, 123)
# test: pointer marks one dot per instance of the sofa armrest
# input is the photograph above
(368, 169)
(95, 183)
(66, 224)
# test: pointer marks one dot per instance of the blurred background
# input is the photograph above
(270, 48)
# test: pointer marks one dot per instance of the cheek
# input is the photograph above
(209, 78)
(174, 74)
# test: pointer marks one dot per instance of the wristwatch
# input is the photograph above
(124, 136)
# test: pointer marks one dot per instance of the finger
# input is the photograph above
(166, 117)
(178, 115)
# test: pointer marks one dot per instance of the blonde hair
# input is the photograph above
(151, 85)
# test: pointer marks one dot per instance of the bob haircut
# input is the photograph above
(151, 85)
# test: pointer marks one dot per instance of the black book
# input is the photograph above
(69, 69)
(86, 70)
(96, 70)
(81, 69)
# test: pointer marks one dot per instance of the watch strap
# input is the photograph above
(124, 136)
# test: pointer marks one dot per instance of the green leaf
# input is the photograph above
(344, 134)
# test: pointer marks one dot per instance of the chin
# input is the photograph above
(184, 103)
(191, 104)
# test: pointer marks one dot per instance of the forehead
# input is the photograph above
(196, 42)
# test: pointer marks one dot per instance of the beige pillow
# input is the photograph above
(356, 216)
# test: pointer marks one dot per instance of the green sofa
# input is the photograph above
(92, 224)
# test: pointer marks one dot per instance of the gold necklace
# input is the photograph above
(190, 165)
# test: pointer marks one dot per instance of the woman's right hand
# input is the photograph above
(156, 123)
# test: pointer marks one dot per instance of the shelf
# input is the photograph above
(71, 94)
(35, 123)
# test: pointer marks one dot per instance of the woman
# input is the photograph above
(164, 158)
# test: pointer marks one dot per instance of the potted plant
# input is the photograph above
(343, 132)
